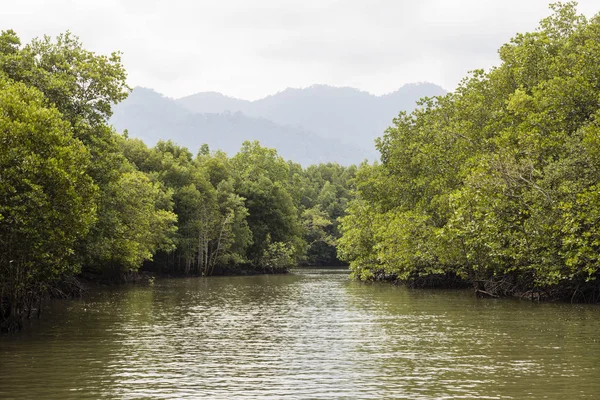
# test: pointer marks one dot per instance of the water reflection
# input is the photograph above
(310, 334)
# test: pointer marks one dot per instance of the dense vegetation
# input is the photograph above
(497, 183)
(75, 196)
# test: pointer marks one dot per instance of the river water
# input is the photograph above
(309, 334)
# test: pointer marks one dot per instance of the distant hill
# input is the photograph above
(350, 115)
(312, 125)
(213, 102)
(150, 116)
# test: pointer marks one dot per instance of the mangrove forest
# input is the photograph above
(495, 185)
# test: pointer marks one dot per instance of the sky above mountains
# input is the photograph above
(250, 49)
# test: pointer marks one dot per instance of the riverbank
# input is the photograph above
(72, 287)
(501, 287)
(143, 276)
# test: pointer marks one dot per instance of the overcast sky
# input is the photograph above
(253, 48)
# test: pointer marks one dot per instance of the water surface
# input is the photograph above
(309, 334)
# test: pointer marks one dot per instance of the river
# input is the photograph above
(308, 334)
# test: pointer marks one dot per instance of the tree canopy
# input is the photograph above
(497, 181)
(76, 196)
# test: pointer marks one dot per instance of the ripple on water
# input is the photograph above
(311, 334)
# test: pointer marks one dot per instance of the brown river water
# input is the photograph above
(309, 334)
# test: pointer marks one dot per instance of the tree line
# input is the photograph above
(496, 183)
(77, 197)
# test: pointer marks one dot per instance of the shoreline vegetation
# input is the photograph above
(494, 186)
(77, 198)
(497, 183)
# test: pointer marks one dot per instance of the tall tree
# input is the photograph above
(489, 182)
(46, 199)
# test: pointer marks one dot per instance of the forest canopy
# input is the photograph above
(78, 197)
(496, 183)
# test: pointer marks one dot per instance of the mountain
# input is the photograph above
(150, 116)
(213, 102)
(350, 115)
(317, 124)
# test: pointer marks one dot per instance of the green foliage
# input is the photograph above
(324, 194)
(278, 256)
(75, 195)
(357, 243)
(499, 178)
(261, 178)
(80, 83)
(133, 226)
(46, 202)
(66, 179)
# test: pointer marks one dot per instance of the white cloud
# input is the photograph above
(250, 49)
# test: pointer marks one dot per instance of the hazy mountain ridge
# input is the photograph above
(317, 124)
(353, 116)
(150, 116)
(212, 102)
